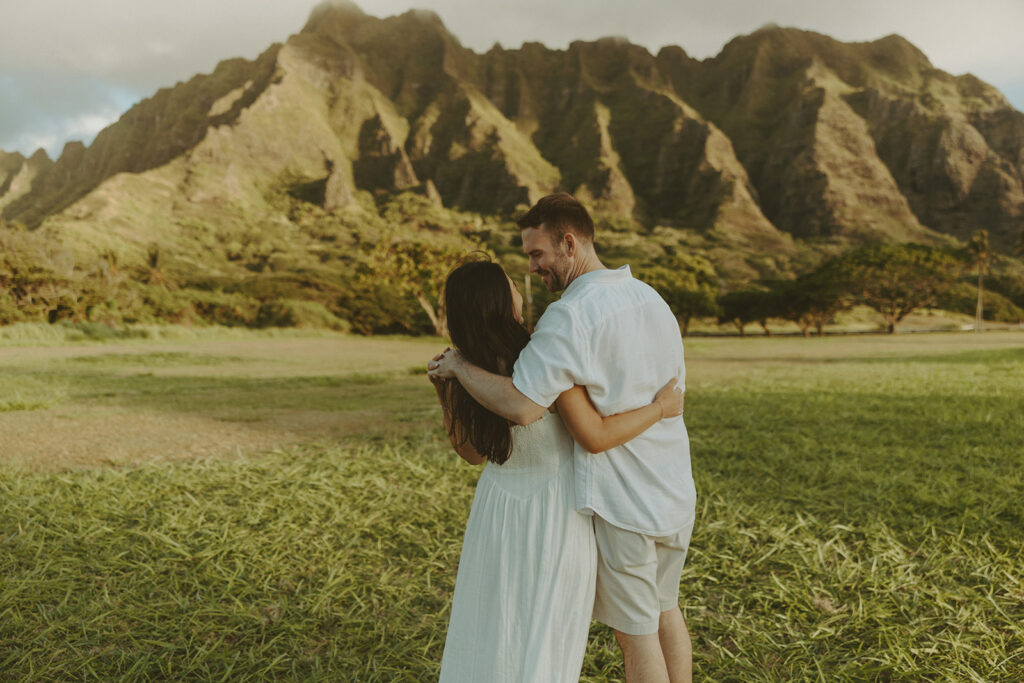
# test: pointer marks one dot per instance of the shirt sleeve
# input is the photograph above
(554, 359)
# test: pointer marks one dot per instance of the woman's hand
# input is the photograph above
(444, 364)
(438, 381)
(670, 400)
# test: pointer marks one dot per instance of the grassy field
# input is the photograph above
(251, 506)
(182, 394)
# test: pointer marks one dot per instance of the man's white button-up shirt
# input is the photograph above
(617, 337)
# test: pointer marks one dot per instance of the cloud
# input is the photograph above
(148, 43)
(81, 127)
(68, 64)
(48, 108)
(88, 125)
(27, 142)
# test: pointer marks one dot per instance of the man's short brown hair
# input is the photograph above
(559, 213)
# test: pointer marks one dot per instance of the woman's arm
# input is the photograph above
(494, 392)
(598, 434)
(465, 449)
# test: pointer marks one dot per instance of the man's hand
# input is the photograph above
(670, 399)
(443, 365)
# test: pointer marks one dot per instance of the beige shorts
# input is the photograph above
(637, 576)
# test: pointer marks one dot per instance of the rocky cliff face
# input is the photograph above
(786, 134)
(866, 140)
(621, 136)
(153, 133)
(17, 174)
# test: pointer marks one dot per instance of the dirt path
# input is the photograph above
(124, 403)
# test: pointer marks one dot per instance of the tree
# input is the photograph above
(813, 299)
(979, 253)
(743, 307)
(688, 285)
(896, 279)
(415, 268)
(375, 306)
(768, 304)
(789, 304)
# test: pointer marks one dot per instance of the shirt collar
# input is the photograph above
(601, 276)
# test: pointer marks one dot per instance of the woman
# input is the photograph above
(525, 586)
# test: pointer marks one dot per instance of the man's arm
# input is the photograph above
(494, 392)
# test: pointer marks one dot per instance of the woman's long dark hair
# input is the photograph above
(483, 327)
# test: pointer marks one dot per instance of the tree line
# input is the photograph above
(893, 279)
(391, 282)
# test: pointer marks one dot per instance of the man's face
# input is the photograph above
(549, 260)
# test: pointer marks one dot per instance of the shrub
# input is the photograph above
(298, 313)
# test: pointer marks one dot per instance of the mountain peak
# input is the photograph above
(10, 157)
(335, 7)
(425, 15)
(333, 12)
(898, 50)
(343, 20)
(39, 155)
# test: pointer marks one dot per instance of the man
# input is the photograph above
(614, 335)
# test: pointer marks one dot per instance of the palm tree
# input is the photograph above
(980, 252)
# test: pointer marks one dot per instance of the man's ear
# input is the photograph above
(570, 244)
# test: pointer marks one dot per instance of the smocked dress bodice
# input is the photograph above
(540, 452)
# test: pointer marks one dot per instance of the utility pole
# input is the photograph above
(978, 247)
(979, 310)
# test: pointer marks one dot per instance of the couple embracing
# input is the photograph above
(586, 505)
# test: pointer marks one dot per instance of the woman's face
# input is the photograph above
(517, 300)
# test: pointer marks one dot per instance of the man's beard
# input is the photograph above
(558, 275)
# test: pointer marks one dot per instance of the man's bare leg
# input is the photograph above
(675, 646)
(643, 658)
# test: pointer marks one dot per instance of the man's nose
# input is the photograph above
(533, 266)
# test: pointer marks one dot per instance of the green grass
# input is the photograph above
(156, 359)
(29, 393)
(299, 564)
(859, 519)
(44, 334)
(128, 380)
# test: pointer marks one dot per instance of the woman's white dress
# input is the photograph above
(524, 592)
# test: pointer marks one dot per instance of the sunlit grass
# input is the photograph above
(29, 393)
(20, 334)
(859, 519)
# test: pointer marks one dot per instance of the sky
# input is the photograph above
(69, 68)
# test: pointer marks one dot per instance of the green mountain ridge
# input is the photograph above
(18, 174)
(786, 146)
(785, 131)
